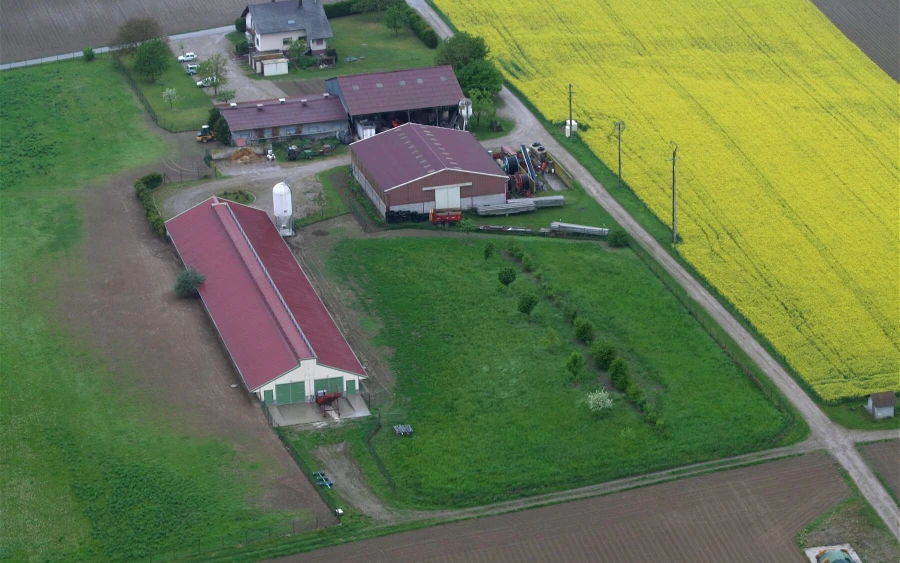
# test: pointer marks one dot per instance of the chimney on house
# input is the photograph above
(258, 107)
(299, 3)
(303, 101)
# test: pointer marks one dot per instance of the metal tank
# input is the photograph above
(283, 208)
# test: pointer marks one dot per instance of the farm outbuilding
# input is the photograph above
(284, 118)
(418, 167)
(881, 405)
(381, 100)
(281, 338)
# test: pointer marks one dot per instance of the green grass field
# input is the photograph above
(90, 471)
(334, 205)
(189, 111)
(486, 390)
(365, 37)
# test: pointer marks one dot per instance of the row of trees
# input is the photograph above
(478, 77)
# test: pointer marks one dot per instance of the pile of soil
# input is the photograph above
(243, 156)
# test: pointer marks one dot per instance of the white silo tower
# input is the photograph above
(284, 209)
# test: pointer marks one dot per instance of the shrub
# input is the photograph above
(552, 340)
(620, 374)
(489, 249)
(506, 276)
(331, 52)
(618, 238)
(188, 281)
(307, 61)
(527, 303)
(603, 353)
(599, 400)
(421, 29)
(569, 312)
(158, 225)
(430, 38)
(339, 9)
(466, 226)
(87, 54)
(152, 180)
(575, 364)
(240, 24)
(635, 393)
(139, 189)
(528, 262)
(242, 47)
(515, 249)
(584, 330)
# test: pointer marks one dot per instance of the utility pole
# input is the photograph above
(674, 193)
(620, 126)
(571, 132)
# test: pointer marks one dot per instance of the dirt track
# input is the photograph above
(874, 25)
(124, 309)
(749, 514)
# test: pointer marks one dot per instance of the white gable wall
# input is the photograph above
(308, 372)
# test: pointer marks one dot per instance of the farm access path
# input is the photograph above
(839, 442)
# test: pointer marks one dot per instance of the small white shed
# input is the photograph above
(881, 405)
(274, 67)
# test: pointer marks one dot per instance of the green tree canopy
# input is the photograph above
(152, 58)
(396, 18)
(506, 276)
(216, 67)
(461, 49)
(135, 31)
(481, 75)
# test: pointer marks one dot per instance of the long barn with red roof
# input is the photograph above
(282, 340)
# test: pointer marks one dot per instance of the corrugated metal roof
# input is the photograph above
(328, 344)
(276, 17)
(400, 90)
(318, 109)
(403, 154)
(260, 300)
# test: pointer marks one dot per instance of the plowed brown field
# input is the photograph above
(750, 514)
(872, 25)
(885, 458)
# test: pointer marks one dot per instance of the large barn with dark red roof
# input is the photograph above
(282, 340)
(380, 100)
(418, 167)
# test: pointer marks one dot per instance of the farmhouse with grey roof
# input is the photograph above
(275, 25)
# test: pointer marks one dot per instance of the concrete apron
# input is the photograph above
(352, 406)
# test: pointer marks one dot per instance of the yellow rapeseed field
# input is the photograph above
(789, 190)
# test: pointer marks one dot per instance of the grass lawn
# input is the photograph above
(486, 390)
(854, 415)
(365, 35)
(484, 133)
(334, 205)
(90, 472)
(189, 111)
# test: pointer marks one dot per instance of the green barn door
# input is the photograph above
(283, 393)
(268, 396)
(330, 385)
(351, 387)
(298, 392)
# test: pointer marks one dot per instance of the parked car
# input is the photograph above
(192, 69)
(187, 57)
(206, 82)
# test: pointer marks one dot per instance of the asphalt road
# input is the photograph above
(838, 441)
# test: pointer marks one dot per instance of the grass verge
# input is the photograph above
(333, 205)
(188, 112)
(472, 363)
(91, 470)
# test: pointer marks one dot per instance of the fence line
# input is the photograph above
(137, 90)
(381, 467)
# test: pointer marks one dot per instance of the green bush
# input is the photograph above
(422, 29)
(188, 281)
(489, 249)
(506, 276)
(584, 330)
(618, 238)
(240, 24)
(158, 225)
(603, 353)
(139, 189)
(635, 393)
(87, 54)
(528, 263)
(575, 364)
(620, 374)
(307, 61)
(515, 249)
(242, 47)
(569, 312)
(527, 303)
(152, 180)
(339, 9)
(331, 52)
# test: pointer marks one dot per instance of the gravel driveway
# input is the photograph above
(246, 88)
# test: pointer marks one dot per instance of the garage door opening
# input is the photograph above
(446, 198)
